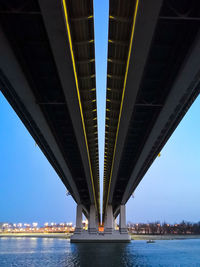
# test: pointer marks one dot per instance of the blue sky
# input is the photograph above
(31, 190)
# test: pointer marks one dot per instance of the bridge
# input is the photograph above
(47, 73)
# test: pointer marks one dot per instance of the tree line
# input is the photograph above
(165, 228)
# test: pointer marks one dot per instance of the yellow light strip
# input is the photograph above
(78, 93)
(124, 86)
(111, 17)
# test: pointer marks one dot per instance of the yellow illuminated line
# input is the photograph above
(87, 77)
(78, 94)
(118, 18)
(82, 18)
(85, 61)
(124, 86)
(84, 42)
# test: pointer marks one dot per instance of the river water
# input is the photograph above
(59, 252)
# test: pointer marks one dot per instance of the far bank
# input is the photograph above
(163, 237)
(67, 236)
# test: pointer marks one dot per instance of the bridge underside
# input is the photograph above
(38, 79)
(162, 83)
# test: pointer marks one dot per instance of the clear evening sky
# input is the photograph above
(30, 190)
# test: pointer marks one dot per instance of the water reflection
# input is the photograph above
(100, 254)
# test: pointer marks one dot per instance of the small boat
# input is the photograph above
(150, 241)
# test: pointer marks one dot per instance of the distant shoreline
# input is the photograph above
(38, 235)
(163, 237)
(67, 236)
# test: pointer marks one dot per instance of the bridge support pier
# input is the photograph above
(122, 220)
(115, 224)
(79, 226)
(110, 233)
(108, 228)
(92, 220)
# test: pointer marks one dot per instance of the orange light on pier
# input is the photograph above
(101, 228)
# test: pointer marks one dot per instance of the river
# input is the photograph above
(53, 252)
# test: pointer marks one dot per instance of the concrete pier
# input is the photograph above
(93, 227)
(108, 226)
(79, 227)
(86, 237)
(122, 220)
(109, 234)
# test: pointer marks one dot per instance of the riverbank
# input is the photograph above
(133, 236)
(40, 235)
(163, 237)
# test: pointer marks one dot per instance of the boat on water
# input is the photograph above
(150, 241)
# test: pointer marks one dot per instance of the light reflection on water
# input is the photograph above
(59, 252)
